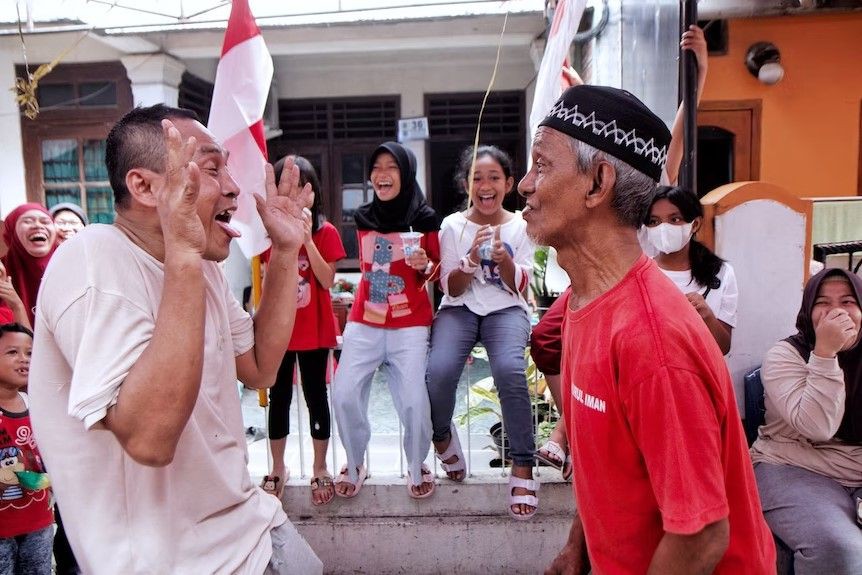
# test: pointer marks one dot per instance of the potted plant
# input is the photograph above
(544, 297)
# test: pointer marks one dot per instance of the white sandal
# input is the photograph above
(531, 500)
(454, 449)
(555, 450)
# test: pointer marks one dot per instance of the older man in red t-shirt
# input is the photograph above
(663, 479)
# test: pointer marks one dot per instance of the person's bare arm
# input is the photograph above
(159, 393)
(573, 559)
(273, 323)
(721, 331)
(323, 270)
(692, 40)
(691, 554)
(13, 300)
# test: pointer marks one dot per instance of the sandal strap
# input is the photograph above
(529, 484)
(555, 449)
(530, 500)
(453, 450)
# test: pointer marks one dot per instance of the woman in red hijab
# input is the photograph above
(31, 237)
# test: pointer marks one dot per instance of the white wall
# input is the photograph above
(13, 191)
(764, 241)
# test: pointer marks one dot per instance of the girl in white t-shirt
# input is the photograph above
(486, 262)
(708, 282)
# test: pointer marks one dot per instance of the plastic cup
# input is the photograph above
(410, 242)
(485, 250)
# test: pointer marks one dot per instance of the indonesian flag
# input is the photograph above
(549, 82)
(242, 85)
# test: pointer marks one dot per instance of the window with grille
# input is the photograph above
(64, 146)
(339, 119)
(196, 94)
(458, 114)
(74, 171)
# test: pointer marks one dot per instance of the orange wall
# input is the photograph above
(810, 129)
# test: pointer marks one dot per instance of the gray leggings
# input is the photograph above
(815, 516)
(28, 554)
(504, 334)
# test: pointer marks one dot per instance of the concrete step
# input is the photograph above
(462, 528)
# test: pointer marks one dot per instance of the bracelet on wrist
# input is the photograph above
(467, 265)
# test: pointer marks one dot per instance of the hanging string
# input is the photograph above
(472, 171)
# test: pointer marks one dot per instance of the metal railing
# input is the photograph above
(471, 429)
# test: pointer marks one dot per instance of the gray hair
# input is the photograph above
(633, 191)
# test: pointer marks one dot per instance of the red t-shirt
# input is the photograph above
(6, 315)
(315, 324)
(391, 294)
(21, 510)
(655, 436)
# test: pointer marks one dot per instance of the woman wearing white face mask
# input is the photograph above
(709, 283)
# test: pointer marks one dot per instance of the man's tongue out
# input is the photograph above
(232, 232)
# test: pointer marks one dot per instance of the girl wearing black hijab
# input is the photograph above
(390, 319)
(808, 455)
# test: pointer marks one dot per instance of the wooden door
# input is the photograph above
(739, 160)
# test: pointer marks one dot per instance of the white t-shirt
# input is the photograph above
(199, 514)
(721, 300)
(486, 293)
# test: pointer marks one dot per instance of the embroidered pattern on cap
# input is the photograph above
(646, 148)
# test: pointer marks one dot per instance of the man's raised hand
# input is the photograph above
(281, 210)
(177, 194)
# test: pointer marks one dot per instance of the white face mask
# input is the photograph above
(669, 238)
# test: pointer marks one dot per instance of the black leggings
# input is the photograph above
(312, 367)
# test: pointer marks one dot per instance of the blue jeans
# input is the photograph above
(504, 334)
(28, 554)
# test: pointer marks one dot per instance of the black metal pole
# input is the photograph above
(688, 85)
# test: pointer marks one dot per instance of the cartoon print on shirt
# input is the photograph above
(384, 289)
(491, 271)
(303, 284)
(10, 461)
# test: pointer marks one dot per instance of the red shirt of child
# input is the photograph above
(391, 294)
(22, 511)
(315, 324)
(654, 432)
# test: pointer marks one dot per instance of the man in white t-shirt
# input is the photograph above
(138, 347)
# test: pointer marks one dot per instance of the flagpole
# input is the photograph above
(256, 276)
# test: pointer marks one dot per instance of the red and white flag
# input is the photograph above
(567, 17)
(242, 84)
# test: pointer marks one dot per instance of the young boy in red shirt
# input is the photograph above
(26, 521)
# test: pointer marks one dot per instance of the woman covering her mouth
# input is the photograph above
(31, 237)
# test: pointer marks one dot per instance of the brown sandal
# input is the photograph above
(322, 482)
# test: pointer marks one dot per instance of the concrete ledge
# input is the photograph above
(462, 528)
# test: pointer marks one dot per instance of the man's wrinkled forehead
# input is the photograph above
(206, 142)
(547, 139)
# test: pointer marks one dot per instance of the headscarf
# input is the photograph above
(26, 270)
(849, 360)
(70, 207)
(407, 209)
